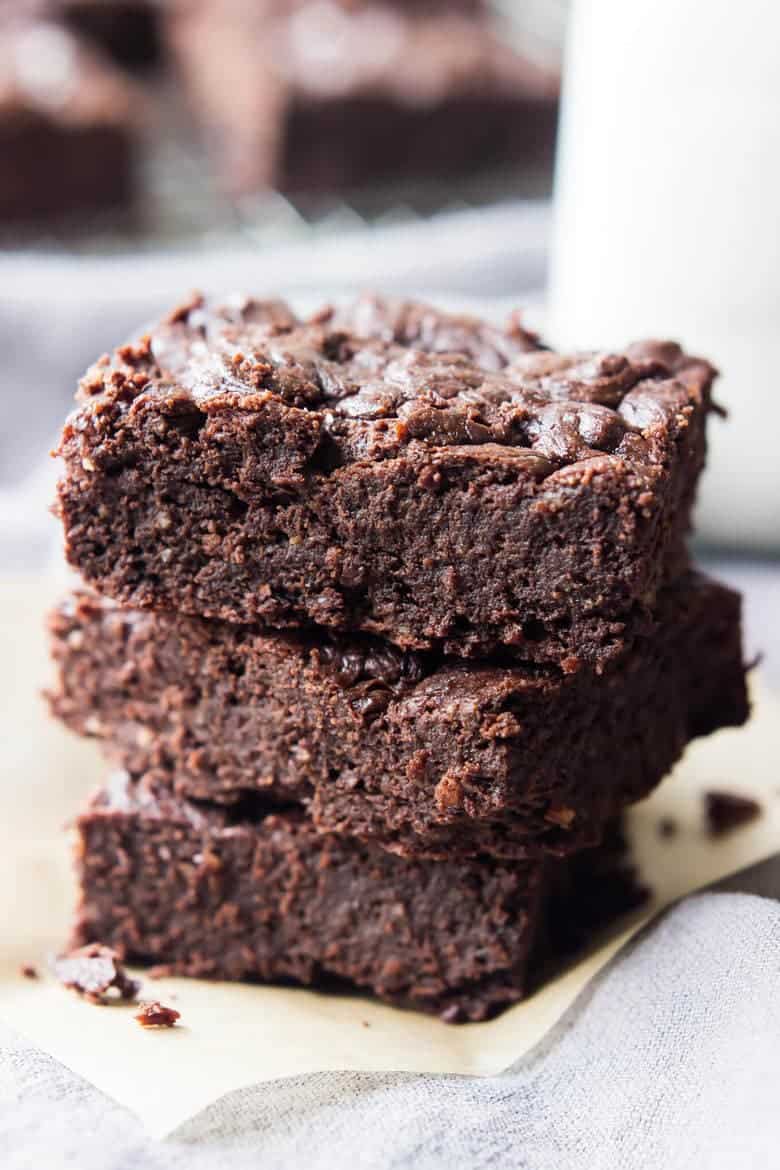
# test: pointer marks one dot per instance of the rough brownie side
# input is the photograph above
(429, 757)
(387, 469)
(382, 102)
(64, 112)
(244, 894)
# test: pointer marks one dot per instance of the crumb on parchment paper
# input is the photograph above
(726, 811)
(157, 1015)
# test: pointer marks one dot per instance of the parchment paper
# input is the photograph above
(232, 1035)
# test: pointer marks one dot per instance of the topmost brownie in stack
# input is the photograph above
(388, 469)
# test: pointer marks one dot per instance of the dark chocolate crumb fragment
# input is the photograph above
(726, 811)
(28, 971)
(96, 972)
(157, 1015)
(667, 828)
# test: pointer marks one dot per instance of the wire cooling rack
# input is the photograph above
(179, 205)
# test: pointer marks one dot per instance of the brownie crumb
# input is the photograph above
(96, 972)
(667, 828)
(157, 1015)
(726, 811)
(29, 971)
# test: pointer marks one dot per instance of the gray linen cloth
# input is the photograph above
(669, 1059)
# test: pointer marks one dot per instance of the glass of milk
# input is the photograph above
(668, 218)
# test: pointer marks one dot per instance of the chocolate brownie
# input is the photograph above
(428, 757)
(128, 30)
(68, 126)
(327, 97)
(387, 469)
(245, 893)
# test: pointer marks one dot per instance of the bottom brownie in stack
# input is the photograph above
(241, 892)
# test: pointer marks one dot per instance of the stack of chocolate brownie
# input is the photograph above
(389, 618)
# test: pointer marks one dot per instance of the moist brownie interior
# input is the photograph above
(427, 756)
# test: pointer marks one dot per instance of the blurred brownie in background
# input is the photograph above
(420, 7)
(320, 96)
(68, 126)
(128, 30)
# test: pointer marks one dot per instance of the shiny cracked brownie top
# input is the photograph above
(383, 377)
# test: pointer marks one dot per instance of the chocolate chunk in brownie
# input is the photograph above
(68, 126)
(726, 811)
(96, 972)
(328, 97)
(238, 463)
(214, 893)
(427, 756)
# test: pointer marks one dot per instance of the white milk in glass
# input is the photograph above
(668, 217)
